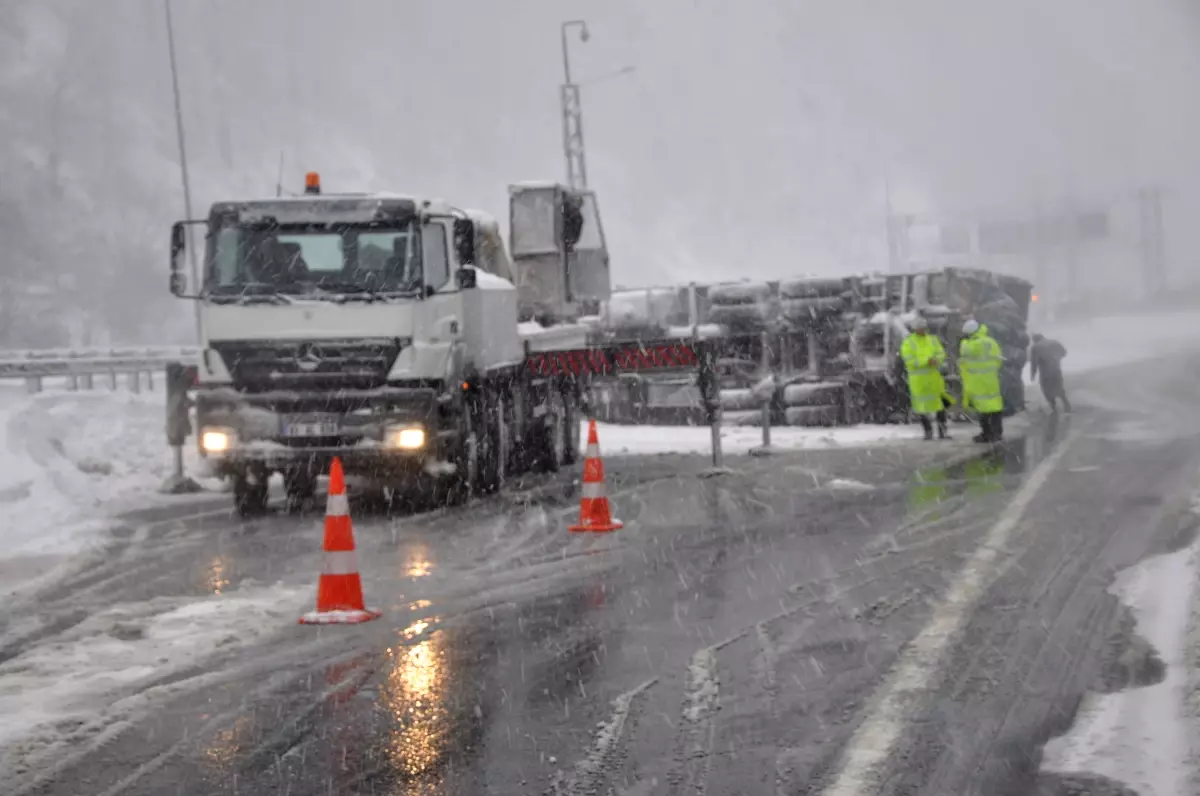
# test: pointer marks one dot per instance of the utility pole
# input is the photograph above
(1070, 223)
(572, 113)
(1154, 261)
(183, 167)
(893, 225)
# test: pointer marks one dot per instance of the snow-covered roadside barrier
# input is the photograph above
(71, 460)
(53, 693)
(736, 440)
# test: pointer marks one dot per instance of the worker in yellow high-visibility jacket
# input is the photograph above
(924, 357)
(979, 361)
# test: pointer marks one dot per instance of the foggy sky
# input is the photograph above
(752, 139)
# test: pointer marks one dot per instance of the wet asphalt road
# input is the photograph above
(751, 633)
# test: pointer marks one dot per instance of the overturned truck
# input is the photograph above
(827, 348)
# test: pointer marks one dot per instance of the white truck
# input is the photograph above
(391, 332)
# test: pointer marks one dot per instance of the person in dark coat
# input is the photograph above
(1045, 364)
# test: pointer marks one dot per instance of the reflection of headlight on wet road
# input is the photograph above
(411, 438)
(414, 695)
(216, 440)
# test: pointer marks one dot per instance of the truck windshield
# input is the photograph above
(313, 259)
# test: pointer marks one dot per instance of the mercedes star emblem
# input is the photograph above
(308, 357)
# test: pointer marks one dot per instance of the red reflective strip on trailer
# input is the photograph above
(605, 362)
(664, 356)
(630, 358)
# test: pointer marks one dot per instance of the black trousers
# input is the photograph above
(992, 426)
(1052, 388)
(928, 426)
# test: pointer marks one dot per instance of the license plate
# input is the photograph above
(311, 427)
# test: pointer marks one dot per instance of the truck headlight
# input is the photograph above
(216, 440)
(409, 438)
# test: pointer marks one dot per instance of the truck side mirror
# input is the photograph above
(464, 241)
(466, 278)
(178, 283)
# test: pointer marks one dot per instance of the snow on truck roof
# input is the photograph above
(528, 185)
(340, 206)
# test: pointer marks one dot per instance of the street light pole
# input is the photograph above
(183, 167)
(572, 113)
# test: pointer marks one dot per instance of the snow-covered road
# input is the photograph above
(152, 608)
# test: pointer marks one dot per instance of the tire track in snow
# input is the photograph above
(698, 720)
(591, 771)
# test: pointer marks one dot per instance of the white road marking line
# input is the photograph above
(875, 739)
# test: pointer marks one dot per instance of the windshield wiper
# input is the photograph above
(352, 291)
(252, 293)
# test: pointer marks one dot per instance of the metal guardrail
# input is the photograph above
(80, 366)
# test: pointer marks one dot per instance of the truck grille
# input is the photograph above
(263, 365)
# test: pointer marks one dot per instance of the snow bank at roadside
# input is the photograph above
(70, 460)
(1142, 737)
(1110, 340)
(59, 691)
(650, 440)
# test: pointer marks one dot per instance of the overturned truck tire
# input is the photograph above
(813, 415)
(828, 393)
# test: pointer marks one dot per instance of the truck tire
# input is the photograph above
(300, 487)
(489, 448)
(812, 415)
(478, 460)
(249, 492)
(550, 437)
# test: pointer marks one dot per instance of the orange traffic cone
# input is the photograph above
(339, 592)
(594, 514)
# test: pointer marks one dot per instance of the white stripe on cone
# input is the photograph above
(339, 562)
(593, 490)
(593, 451)
(337, 506)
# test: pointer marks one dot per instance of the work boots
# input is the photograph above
(942, 433)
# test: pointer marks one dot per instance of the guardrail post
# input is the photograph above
(33, 384)
(179, 380)
(766, 409)
(135, 382)
(86, 381)
(112, 380)
(711, 394)
(73, 383)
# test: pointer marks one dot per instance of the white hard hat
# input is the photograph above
(919, 322)
(971, 326)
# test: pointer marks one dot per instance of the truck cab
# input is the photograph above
(378, 328)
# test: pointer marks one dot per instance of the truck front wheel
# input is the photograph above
(250, 491)
(301, 487)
